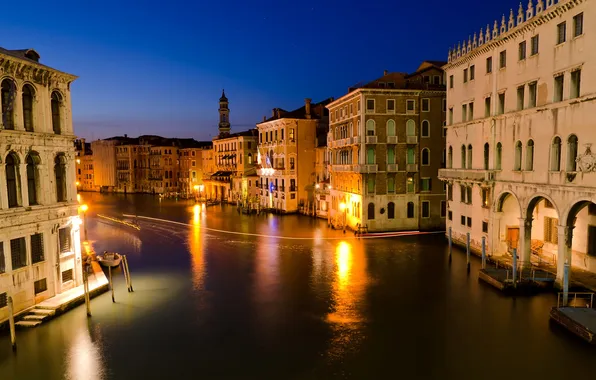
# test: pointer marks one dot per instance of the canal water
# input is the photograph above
(287, 298)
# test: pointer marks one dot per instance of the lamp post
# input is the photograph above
(84, 208)
(342, 207)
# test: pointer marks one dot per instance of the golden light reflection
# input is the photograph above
(196, 214)
(197, 255)
(79, 198)
(84, 359)
(344, 263)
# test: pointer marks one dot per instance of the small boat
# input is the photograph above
(109, 259)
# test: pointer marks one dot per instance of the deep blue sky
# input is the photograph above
(148, 67)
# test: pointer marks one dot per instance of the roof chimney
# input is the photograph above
(264, 119)
(274, 112)
(82, 147)
(385, 72)
(307, 107)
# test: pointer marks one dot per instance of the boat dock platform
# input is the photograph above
(577, 315)
(527, 281)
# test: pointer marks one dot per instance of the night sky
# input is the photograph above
(148, 67)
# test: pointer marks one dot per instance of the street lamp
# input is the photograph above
(84, 208)
(342, 207)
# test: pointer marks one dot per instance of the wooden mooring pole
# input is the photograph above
(484, 252)
(450, 245)
(86, 289)
(514, 268)
(13, 335)
(565, 284)
(468, 251)
(111, 283)
(130, 289)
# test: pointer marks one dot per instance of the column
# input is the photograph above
(24, 185)
(17, 111)
(494, 233)
(564, 252)
(3, 189)
(525, 242)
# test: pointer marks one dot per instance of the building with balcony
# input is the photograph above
(520, 171)
(386, 145)
(287, 157)
(40, 251)
(234, 156)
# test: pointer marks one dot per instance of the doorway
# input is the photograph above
(512, 238)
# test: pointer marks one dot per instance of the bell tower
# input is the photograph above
(224, 115)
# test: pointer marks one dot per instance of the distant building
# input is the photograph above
(40, 251)
(287, 157)
(84, 165)
(386, 146)
(104, 165)
(521, 105)
(191, 168)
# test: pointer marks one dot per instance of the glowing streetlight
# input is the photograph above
(78, 161)
(84, 208)
(78, 183)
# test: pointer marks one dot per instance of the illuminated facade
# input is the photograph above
(286, 158)
(520, 169)
(192, 171)
(386, 145)
(84, 165)
(40, 253)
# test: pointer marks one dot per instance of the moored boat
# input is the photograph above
(109, 259)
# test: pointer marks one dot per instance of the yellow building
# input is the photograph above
(191, 169)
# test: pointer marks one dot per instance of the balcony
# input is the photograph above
(371, 139)
(411, 139)
(479, 175)
(342, 168)
(412, 168)
(391, 139)
(392, 168)
(370, 168)
(356, 140)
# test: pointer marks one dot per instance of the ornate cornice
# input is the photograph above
(28, 71)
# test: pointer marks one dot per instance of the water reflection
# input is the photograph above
(84, 360)
(197, 251)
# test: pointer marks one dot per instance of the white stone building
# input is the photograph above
(521, 119)
(40, 253)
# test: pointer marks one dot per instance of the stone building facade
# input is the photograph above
(386, 145)
(40, 253)
(287, 157)
(521, 100)
(191, 169)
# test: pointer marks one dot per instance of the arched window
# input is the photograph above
(425, 157)
(410, 158)
(470, 156)
(56, 117)
(171, 176)
(371, 211)
(370, 156)
(463, 156)
(390, 127)
(370, 127)
(571, 153)
(391, 155)
(555, 154)
(8, 91)
(410, 128)
(358, 126)
(391, 210)
(425, 128)
(450, 157)
(499, 156)
(32, 177)
(13, 180)
(518, 156)
(250, 158)
(351, 131)
(410, 210)
(486, 155)
(166, 174)
(60, 173)
(28, 107)
(530, 155)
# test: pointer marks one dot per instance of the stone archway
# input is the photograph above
(506, 223)
(540, 229)
(577, 236)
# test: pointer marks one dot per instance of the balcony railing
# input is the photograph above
(368, 168)
(391, 139)
(392, 168)
(411, 139)
(466, 174)
(356, 140)
(371, 139)
(412, 168)
(342, 168)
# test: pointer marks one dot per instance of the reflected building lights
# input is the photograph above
(84, 358)
(196, 214)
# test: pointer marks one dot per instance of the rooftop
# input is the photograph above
(317, 111)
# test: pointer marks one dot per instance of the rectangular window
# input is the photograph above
(410, 185)
(410, 210)
(40, 286)
(472, 72)
(18, 253)
(443, 209)
(67, 275)
(487, 107)
(425, 105)
(436, 79)
(444, 104)
(471, 111)
(451, 81)
(391, 105)
(575, 83)
(501, 103)
(37, 248)
(465, 75)
(463, 220)
(371, 185)
(485, 198)
(64, 239)
(451, 116)
(391, 185)
(522, 50)
(425, 209)
(464, 112)
(485, 227)
(410, 105)
(370, 105)
(2, 260)
(3, 300)
(282, 131)
(578, 25)
(520, 98)
(450, 192)
(469, 222)
(503, 59)
(561, 32)
(489, 65)
(462, 193)
(591, 241)
(450, 215)
(551, 230)
(358, 106)
(425, 184)
(532, 95)
(469, 195)
(535, 41)
(559, 81)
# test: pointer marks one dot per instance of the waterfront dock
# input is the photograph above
(529, 281)
(576, 315)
